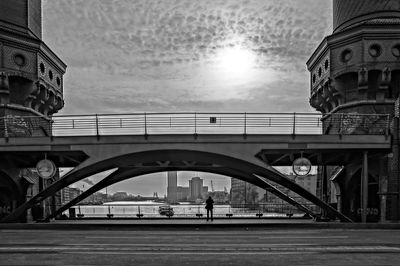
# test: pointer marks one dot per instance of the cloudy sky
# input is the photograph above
(127, 56)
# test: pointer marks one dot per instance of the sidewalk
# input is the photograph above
(193, 224)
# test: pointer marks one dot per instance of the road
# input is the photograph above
(200, 247)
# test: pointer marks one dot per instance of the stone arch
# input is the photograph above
(374, 80)
(394, 85)
(20, 88)
(347, 85)
(352, 199)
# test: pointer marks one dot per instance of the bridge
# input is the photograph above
(241, 145)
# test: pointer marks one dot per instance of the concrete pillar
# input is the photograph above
(382, 197)
(393, 187)
(364, 188)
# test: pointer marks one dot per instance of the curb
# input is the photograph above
(220, 226)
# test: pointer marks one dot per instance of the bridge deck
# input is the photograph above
(276, 149)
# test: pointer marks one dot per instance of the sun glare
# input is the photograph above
(236, 61)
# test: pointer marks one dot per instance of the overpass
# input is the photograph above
(244, 146)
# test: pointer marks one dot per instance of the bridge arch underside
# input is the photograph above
(140, 163)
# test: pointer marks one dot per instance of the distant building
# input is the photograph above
(246, 193)
(196, 188)
(219, 197)
(121, 195)
(176, 193)
(68, 194)
(182, 194)
(172, 187)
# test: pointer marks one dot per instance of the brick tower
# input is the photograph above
(356, 70)
(31, 91)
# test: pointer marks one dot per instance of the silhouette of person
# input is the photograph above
(209, 207)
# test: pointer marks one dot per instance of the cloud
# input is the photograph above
(160, 54)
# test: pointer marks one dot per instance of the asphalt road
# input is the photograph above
(200, 247)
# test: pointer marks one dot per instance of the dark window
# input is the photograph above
(42, 68)
(375, 50)
(346, 55)
(19, 60)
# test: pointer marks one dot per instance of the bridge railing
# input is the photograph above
(194, 123)
(130, 210)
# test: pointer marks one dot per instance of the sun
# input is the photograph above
(236, 61)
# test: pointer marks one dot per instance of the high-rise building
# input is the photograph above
(196, 188)
(172, 186)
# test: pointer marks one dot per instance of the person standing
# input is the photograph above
(209, 207)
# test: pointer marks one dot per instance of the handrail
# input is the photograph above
(195, 123)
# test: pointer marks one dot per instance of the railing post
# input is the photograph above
(195, 123)
(294, 123)
(364, 188)
(5, 128)
(340, 123)
(97, 126)
(51, 122)
(145, 124)
(387, 125)
(245, 124)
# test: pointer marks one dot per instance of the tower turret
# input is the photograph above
(31, 75)
(357, 68)
(350, 13)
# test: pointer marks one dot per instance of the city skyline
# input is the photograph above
(148, 184)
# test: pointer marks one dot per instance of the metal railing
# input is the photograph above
(194, 123)
(187, 211)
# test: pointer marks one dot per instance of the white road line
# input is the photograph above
(210, 249)
(192, 253)
(245, 236)
(190, 244)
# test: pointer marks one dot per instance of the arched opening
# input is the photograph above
(165, 160)
(125, 174)
(20, 88)
(374, 77)
(347, 85)
(352, 198)
(394, 86)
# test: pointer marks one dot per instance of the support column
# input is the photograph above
(325, 189)
(383, 192)
(364, 188)
(383, 187)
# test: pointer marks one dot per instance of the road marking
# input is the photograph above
(160, 248)
(189, 244)
(245, 236)
(190, 253)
